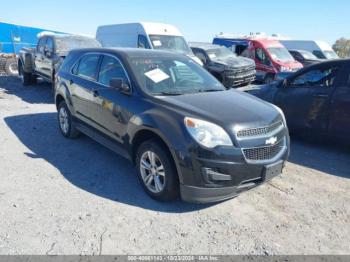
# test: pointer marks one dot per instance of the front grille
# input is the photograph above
(244, 71)
(264, 153)
(259, 131)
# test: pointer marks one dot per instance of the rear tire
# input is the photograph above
(11, 67)
(65, 122)
(160, 173)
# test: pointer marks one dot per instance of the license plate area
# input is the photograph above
(272, 171)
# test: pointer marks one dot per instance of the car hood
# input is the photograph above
(234, 62)
(229, 108)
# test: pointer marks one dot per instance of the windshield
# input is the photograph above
(170, 42)
(330, 54)
(69, 43)
(308, 55)
(172, 76)
(220, 53)
(281, 54)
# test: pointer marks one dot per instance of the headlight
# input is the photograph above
(282, 114)
(207, 134)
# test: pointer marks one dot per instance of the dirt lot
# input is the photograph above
(76, 197)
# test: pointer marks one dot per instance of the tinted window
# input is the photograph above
(143, 42)
(49, 44)
(319, 54)
(111, 68)
(261, 56)
(201, 56)
(318, 77)
(87, 67)
(41, 45)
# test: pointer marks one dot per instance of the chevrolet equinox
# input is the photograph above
(186, 134)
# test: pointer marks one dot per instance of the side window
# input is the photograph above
(201, 56)
(49, 44)
(143, 42)
(41, 45)
(317, 77)
(261, 56)
(87, 67)
(318, 54)
(111, 68)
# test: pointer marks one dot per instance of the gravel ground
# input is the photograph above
(76, 197)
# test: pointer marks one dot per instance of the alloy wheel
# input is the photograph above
(152, 172)
(64, 121)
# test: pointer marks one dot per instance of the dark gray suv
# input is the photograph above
(186, 133)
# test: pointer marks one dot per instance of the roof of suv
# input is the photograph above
(132, 52)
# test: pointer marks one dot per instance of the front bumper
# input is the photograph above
(242, 177)
(224, 172)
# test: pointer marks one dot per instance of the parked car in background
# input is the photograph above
(49, 53)
(304, 57)
(315, 99)
(270, 56)
(12, 39)
(145, 35)
(222, 63)
(320, 49)
(185, 132)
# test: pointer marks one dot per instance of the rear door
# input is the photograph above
(306, 98)
(339, 121)
(82, 86)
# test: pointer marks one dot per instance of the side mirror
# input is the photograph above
(119, 84)
(284, 82)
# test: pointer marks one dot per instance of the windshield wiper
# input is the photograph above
(170, 93)
(210, 90)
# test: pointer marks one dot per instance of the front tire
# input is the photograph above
(65, 122)
(157, 171)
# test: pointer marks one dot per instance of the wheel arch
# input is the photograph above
(146, 134)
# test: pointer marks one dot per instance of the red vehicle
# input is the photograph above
(271, 58)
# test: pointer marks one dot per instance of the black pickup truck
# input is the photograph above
(315, 99)
(48, 55)
(229, 69)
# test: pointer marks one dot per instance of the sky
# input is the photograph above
(198, 20)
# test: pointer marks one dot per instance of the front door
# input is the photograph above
(340, 109)
(305, 99)
(82, 86)
(263, 64)
(110, 105)
(47, 58)
(39, 56)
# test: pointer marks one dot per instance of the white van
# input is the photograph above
(320, 49)
(145, 35)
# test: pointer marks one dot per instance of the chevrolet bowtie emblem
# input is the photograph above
(271, 141)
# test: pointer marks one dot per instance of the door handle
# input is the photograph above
(321, 95)
(95, 93)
